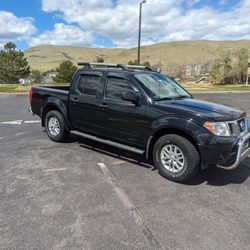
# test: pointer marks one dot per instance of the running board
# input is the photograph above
(108, 142)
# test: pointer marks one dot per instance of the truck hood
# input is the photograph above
(206, 109)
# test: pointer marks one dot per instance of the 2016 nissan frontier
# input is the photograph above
(145, 112)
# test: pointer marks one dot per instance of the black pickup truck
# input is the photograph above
(145, 112)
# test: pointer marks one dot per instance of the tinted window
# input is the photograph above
(81, 83)
(115, 87)
(88, 84)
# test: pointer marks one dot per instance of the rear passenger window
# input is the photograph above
(115, 87)
(88, 84)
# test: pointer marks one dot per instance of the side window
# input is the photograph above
(88, 84)
(81, 83)
(115, 87)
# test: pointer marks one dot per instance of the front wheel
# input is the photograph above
(176, 158)
(55, 126)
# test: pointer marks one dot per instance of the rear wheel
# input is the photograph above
(176, 158)
(55, 126)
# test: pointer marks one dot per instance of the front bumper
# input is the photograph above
(243, 150)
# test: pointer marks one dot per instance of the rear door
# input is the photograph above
(83, 102)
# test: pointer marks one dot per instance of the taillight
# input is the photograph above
(30, 95)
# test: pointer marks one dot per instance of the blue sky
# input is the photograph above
(109, 23)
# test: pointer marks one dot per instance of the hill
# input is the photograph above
(48, 57)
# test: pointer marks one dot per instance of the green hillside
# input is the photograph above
(192, 52)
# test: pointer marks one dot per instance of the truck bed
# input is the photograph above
(52, 88)
(42, 94)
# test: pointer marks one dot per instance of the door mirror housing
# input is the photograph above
(132, 96)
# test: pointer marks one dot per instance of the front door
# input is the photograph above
(123, 120)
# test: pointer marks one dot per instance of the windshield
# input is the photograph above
(160, 87)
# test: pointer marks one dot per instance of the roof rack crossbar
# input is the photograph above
(113, 65)
(107, 65)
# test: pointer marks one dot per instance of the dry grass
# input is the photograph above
(215, 88)
(18, 88)
(192, 88)
(49, 57)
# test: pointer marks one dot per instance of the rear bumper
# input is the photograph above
(30, 110)
(242, 151)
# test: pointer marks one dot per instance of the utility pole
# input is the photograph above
(139, 32)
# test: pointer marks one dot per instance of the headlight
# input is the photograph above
(218, 128)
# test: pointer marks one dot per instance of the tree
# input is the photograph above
(175, 70)
(146, 64)
(234, 71)
(226, 61)
(37, 76)
(13, 64)
(242, 61)
(65, 72)
(135, 62)
(216, 71)
(221, 69)
(230, 67)
(99, 59)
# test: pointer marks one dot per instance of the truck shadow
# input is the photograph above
(212, 176)
(220, 177)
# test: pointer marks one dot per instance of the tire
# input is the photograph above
(58, 132)
(176, 158)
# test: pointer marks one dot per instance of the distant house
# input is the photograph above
(188, 70)
(196, 69)
(27, 80)
(200, 69)
(52, 74)
(48, 78)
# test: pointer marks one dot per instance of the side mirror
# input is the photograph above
(131, 96)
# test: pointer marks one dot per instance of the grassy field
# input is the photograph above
(216, 88)
(48, 57)
(17, 88)
(192, 88)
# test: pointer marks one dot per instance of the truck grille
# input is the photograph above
(242, 124)
(238, 127)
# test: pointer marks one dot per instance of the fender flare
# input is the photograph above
(184, 125)
(54, 103)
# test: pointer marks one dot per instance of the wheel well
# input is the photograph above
(166, 131)
(46, 110)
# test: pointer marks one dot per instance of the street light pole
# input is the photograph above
(139, 32)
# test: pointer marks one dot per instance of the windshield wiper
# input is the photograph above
(163, 98)
(181, 97)
(172, 98)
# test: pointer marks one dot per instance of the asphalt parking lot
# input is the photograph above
(84, 195)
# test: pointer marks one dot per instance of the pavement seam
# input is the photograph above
(130, 207)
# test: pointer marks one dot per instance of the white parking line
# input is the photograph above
(17, 122)
(54, 169)
(20, 122)
(30, 122)
(130, 207)
(21, 133)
